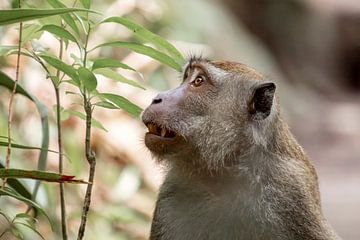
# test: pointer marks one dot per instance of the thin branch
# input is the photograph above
(90, 157)
(8, 152)
(60, 147)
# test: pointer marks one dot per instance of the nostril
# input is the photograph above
(156, 100)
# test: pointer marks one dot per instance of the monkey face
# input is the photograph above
(210, 116)
(174, 117)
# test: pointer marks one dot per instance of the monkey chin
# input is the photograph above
(161, 146)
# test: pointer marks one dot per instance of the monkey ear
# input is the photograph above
(262, 101)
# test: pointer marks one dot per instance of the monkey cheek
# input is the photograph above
(162, 146)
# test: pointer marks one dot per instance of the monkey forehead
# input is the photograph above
(238, 68)
(225, 67)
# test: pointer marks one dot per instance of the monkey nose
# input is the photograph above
(156, 100)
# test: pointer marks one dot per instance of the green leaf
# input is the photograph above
(82, 116)
(117, 77)
(87, 78)
(63, 114)
(22, 52)
(82, 24)
(21, 15)
(7, 82)
(42, 109)
(145, 50)
(59, 32)
(110, 63)
(4, 50)
(65, 68)
(11, 193)
(16, 232)
(6, 217)
(30, 31)
(67, 17)
(38, 175)
(77, 60)
(30, 220)
(149, 37)
(17, 185)
(106, 104)
(32, 228)
(123, 103)
(86, 3)
(19, 146)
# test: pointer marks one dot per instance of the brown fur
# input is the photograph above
(235, 171)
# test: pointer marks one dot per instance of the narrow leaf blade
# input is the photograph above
(19, 146)
(87, 78)
(145, 50)
(123, 103)
(110, 63)
(58, 64)
(9, 192)
(42, 109)
(59, 32)
(21, 15)
(67, 17)
(117, 77)
(148, 36)
(38, 175)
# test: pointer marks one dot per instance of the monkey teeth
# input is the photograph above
(163, 132)
(160, 131)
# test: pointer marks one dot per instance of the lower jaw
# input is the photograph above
(161, 145)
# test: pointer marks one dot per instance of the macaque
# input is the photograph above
(234, 170)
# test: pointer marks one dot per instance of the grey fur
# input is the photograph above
(236, 175)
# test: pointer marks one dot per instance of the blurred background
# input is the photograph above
(311, 48)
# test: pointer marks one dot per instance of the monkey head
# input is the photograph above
(220, 109)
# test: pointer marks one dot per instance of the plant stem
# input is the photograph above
(90, 157)
(86, 45)
(60, 147)
(8, 152)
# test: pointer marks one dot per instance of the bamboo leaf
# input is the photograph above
(17, 185)
(38, 175)
(30, 31)
(106, 104)
(65, 68)
(110, 63)
(123, 103)
(87, 78)
(7, 82)
(42, 109)
(86, 3)
(67, 17)
(145, 50)
(59, 32)
(11, 193)
(149, 37)
(6, 217)
(19, 146)
(4, 50)
(32, 228)
(117, 77)
(21, 15)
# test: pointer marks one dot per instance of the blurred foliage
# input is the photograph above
(78, 72)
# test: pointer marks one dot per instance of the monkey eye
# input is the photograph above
(199, 80)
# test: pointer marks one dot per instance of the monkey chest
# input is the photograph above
(197, 216)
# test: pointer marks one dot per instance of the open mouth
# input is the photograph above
(160, 131)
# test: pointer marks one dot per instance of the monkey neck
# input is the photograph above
(282, 143)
